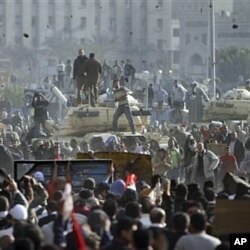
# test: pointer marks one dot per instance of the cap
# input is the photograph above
(19, 212)
(89, 183)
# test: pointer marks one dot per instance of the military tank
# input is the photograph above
(79, 121)
(84, 119)
(226, 110)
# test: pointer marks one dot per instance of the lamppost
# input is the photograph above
(212, 48)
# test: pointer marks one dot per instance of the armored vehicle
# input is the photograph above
(226, 110)
(84, 119)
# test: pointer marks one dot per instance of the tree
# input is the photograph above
(232, 63)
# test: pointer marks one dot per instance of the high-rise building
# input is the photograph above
(127, 24)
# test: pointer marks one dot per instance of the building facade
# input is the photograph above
(194, 17)
(138, 29)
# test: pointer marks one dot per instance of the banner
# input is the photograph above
(125, 163)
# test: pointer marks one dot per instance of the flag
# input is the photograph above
(80, 242)
(131, 181)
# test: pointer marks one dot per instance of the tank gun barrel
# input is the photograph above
(60, 96)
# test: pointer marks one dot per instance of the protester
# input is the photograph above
(174, 175)
(78, 74)
(121, 96)
(92, 70)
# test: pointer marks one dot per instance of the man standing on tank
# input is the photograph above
(78, 74)
(121, 96)
(92, 69)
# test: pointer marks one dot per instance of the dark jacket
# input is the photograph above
(173, 238)
(116, 245)
(150, 93)
(92, 68)
(7, 161)
(168, 206)
(40, 107)
(129, 70)
(78, 66)
(239, 151)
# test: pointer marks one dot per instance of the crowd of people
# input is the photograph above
(88, 78)
(173, 211)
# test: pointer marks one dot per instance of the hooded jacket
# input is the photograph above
(210, 161)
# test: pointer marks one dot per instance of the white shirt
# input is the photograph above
(231, 147)
(6, 232)
(197, 242)
(140, 150)
(145, 220)
(61, 67)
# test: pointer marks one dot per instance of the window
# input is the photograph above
(67, 23)
(204, 38)
(83, 23)
(18, 7)
(128, 4)
(128, 22)
(159, 4)
(176, 32)
(176, 57)
(18, 20)
(33, 21)
(143, 22)
(18, 39)
(98, 3)
(2, 10)
(112, 3)
(34, 8)
(1, 20)
(34, 42)
(159, 63)
(97, 21)
(143, 4)
(160, 23)
(51, 21)
(112, 22)
(67, 3)
(84, 3)
(160, 44)
(187, 39)
(2, 42)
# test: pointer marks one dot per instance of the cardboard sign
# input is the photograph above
(232, 216)
(217, 148)
(79, 170)
(139, 164)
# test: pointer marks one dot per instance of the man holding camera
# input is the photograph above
(40, 105)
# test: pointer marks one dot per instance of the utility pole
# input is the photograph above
(212, 48)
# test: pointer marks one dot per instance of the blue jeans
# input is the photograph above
(123, 109)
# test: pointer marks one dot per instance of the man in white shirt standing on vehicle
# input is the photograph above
(121, 96)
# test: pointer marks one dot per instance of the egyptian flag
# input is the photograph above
(131, 181)
(79, 239)
(68, 213)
